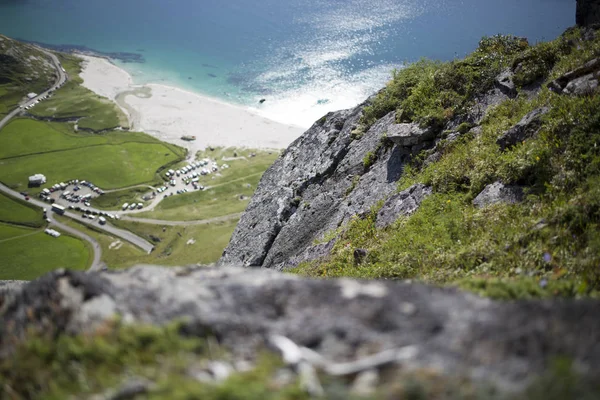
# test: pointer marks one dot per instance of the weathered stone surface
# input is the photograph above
(402, 204)
(317, 186)
(499, 193)
(408, 135)
(580, 81)
(505, 83)
(321, 183)
(588, 12)
(11, 286)
(524, 129)
(343, 320)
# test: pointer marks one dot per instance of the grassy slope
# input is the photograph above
(547, 246)
(73, 100)
(110, 166)
(23, 69)
(19, 212)
(172, 248)
(223, 198)
(210, 240)
(29, 253)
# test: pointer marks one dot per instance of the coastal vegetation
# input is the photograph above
(75, 140)
(75, 102)
(28, 253)
(23, 69)
(548, 245)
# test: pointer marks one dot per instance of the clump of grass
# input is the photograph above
(430, 92)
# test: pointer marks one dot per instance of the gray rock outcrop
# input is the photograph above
(408, 135)
(318, 185)
(580, 81)
(343, 320)
(402, 204)
(497, 192)
(322, 181)
(524, 129)
(588, 12)
(505, 83)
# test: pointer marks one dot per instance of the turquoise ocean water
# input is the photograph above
(305, 57)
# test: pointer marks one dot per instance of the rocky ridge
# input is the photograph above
(341, 321)
(332, 174)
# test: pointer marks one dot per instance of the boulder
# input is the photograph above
(580, 81)
(343, 320)
(524, 129)
(402, 204)
(497, 192)
(588, 12)
(407, 135)
(505, 83)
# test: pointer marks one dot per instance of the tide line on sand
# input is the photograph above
(169, 113)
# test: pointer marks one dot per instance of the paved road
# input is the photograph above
(121, 233)
(62, 78)
(223, 218)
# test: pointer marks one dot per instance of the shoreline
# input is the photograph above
(168, 112)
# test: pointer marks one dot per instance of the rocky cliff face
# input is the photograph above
(588, 12)
(331, 174)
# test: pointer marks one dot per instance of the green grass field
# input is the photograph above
(120, 255)
(30, 253)
(19, 212)
(114, 200)
(108, 166)
(225, 188)
(210, 240)
(73, 100)
(223, 199)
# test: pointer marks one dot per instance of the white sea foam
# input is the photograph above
(335, 68)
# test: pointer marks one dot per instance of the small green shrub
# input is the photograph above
(369, 159)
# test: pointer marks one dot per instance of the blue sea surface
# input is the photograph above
(305, 57)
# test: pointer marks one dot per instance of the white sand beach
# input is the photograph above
(168, 113)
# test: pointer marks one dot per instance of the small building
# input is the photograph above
(31, 95)
(37, 180)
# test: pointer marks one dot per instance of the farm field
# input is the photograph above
(24, 136)
(29, 253)
(19, 212)
(108, 166)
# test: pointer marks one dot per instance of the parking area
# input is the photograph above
(189, 178)
(76, 195)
